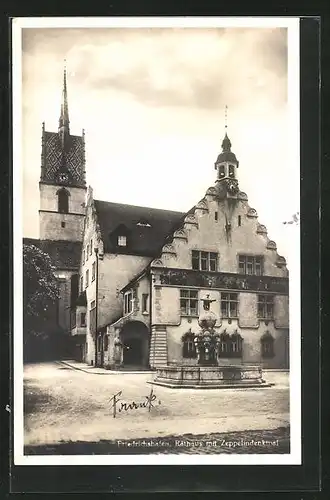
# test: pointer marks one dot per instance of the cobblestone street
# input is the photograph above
(66, 405)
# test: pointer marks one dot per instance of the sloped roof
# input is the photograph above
(64, 254)
(145, 228)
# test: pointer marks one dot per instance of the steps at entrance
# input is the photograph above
(158, 347)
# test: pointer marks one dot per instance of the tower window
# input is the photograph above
(221, 170)
(239, 220)
(122, 241)
(62, 224)
(63, 201)
(231, 171)
(87, 279)
(216, 215)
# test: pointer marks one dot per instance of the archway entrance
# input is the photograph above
(135, 339)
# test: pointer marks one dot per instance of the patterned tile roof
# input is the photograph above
(145, 228)
(64, 254)
(56, 158)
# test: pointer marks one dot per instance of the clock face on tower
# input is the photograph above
(63, 177)
(232, 186)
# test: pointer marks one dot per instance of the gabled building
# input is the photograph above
(138, 274)
(144, 284)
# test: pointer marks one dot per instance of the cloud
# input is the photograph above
(203, 68)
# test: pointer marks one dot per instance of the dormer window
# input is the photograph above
(122, 241)
(143, 223)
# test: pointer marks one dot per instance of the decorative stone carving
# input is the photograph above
(180, 233)
(168, 249)
(261, 229)
(242, 196)
(202, 205)
(228, 281)
(281, 262)
(191, 219)
(252, 212)
(212, 191)
(271, 245)
(157, 263)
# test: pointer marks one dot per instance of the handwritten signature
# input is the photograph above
(118, 405)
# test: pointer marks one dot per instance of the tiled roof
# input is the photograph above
(145, 228)
(64, 254)
(71, 158)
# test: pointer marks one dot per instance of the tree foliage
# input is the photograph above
(40, 289)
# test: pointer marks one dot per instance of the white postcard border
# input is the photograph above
(294, 458)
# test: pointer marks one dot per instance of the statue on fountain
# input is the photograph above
(207, 340)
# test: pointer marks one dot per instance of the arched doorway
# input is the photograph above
(135, 339)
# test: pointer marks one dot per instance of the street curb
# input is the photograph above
(106, 372)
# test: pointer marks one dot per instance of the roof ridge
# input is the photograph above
(139, 206)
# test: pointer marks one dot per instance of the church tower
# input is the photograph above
(62, 183)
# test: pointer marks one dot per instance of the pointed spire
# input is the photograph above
(64, 122)
(226, 144)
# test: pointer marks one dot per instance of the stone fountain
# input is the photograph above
(208, 373)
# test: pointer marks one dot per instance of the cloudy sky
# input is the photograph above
(152, 104)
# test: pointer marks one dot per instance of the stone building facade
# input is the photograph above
(139, 274)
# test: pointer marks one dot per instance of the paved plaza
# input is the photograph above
(63, 404)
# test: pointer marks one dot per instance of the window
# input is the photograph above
(239, 220)
(128, 302)
(63, 201)
(62, 224)
(230, 346)
(87, 278)
(188, 345)
(265, 306)
(83, 257)
(91, 248)
(105, 342)
(99, 343)
(143, 223)
(73, 319)
(267, 346)
(221, 170)
(215, 215)
(92, 317)
(93, 271)
(250, 264)
(145, 298)
(122, 240)
(229, 305)
(82, 319)
(87, 252)
(189, 302)
(81, 283)
(204, 261)
(231, 171)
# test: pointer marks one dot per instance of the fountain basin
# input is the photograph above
(210, 377)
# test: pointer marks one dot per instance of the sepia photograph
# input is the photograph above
(156, 241)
